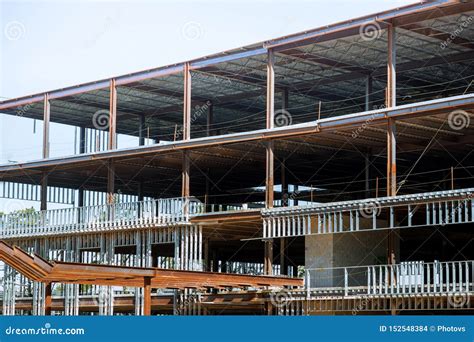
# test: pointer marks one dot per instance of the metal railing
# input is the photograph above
(154, 212)
(426, 209)
(406, 278)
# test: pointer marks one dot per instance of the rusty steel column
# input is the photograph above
(110, 181)
(283, 264)
(46, 120)
(187, 103)
(269, 175)
(147, 296)
(393, 236)
(270, 89)
(269, 167)
(391, 101)
(391, 158)
(112, 116)
(185, 175)
(268, 258)
(44, 177)
(391, 96)
(48, 299)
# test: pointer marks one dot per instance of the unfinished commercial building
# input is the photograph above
(326, 172)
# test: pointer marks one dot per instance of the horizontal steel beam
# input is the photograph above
(314, 127)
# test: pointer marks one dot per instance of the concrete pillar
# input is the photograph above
(340, 250)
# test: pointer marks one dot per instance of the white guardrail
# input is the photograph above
(154, 212)
(406, 278)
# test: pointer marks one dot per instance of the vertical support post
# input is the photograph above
(368, 92)
(391, 158)
(82, 140)
(207, 206)
(46, 120)
(269, 179)
(391, 96)
(283, 264)
(268, 258)
(110, 182)
(147, 296)
(44, 191)
(141, 130)
(207, 263)
(140, 191)
(80, 197)
(48, 299)
(367, 174)
(82, 150)
(215, 261)
(187, 103)
(270, 89)
(185, 175)
(210, 117)
(284, 185)
(269, 175)
(112, 116)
